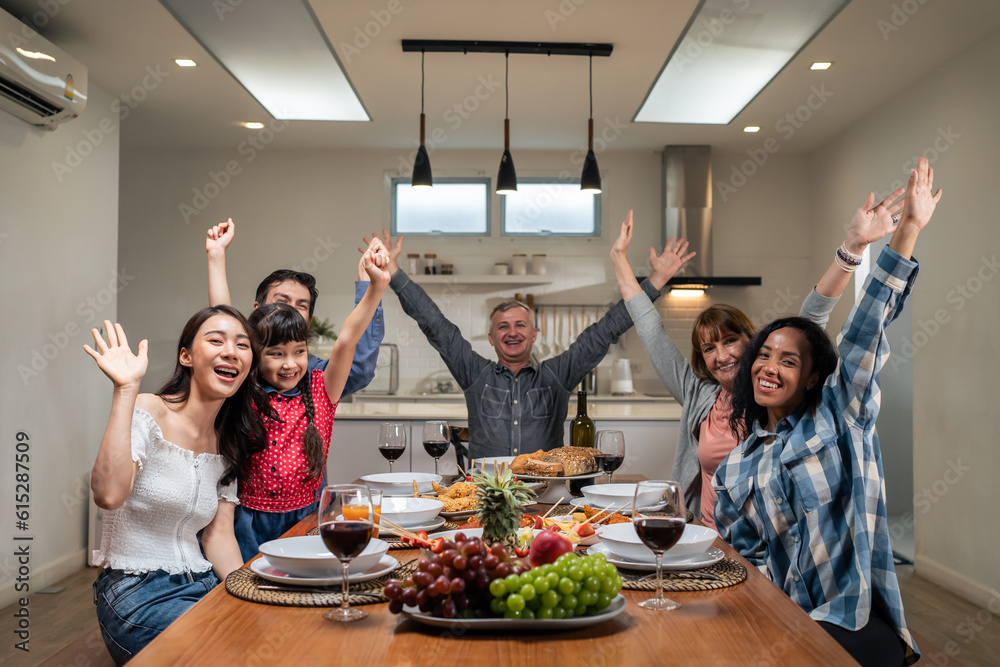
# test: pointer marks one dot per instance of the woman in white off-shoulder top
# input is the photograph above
(166, 470)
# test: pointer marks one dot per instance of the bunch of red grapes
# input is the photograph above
(456, 581)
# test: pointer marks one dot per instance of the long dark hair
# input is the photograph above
(823, 360)
(277, 324)
(237, 425)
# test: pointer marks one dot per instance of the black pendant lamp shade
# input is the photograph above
(422, 177)
(590, 178)
(507, 176)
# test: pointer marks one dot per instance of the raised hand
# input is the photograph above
(871, 224)
(663, 267)
(115, 358)
(219, 237)
(621, 244)
(920, 204)
(379, 275)
(393, 250)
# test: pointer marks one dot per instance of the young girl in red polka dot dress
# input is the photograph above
(281, 483)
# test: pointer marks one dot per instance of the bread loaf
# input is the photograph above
(561, 462)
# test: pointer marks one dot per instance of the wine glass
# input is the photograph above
(611, 451)
(436, 438)
(391, 441)
(659, 532)
(345, 524)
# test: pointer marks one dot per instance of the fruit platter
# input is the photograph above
(511, 571)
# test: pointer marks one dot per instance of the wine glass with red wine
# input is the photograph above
(436, 438)
(391, 441)
(610, 451)
(659, 525)
(345, 524)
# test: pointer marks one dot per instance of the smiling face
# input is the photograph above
(722, 356)
(290, 292)
(283, 366)
(512, 333)
(220, 357)
(781, 373)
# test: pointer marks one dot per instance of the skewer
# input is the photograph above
(544, 516)
(603, 511)
(608, 516)
(398, 530)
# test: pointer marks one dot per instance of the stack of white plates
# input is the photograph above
(621, 545)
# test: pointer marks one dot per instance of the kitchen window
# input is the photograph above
(454, 206)
(550, 207)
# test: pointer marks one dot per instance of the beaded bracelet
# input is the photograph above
(847, 260)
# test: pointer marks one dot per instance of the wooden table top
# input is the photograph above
(753, 623)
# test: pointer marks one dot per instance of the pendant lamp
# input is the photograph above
(507, 176)
(422, 177)
(590, 178)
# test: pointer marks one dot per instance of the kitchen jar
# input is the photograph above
(519, 264)
(538, 265)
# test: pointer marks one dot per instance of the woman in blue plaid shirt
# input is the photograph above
(803, 496)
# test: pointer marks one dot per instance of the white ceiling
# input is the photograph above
(201, 107)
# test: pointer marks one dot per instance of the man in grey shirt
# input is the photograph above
(515, 405)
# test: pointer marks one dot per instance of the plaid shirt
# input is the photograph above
(806, 504)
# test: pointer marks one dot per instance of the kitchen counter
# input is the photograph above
(452, 407)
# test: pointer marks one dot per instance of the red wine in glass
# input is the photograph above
(391, 453)
(659, 534)
(346, 539)
(609, 462)
(436, 449)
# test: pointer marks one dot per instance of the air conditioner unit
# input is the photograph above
(39, 83)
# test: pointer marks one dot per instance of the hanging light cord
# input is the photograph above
(591, 85)
(422, 82)
(506, 85)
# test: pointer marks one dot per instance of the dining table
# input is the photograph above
(750, 623)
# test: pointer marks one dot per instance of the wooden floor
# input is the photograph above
(950, 631)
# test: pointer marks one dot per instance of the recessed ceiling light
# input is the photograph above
(184, 62)
(723, 61)
(253, 125)
(820, 66)
(751, 128)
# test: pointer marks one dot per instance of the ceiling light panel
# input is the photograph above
(730, 51)
(277, 50)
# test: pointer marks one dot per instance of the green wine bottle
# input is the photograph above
(581, 434)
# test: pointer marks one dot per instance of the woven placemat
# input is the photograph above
(242, 583)
(394, 542)
(729, 571)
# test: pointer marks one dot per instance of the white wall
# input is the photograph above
(58, 249)
(949, 115)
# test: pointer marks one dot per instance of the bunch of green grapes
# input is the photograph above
(571, 586)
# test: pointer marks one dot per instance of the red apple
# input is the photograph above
(547, 547)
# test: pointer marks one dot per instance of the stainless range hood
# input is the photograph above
(687, 214)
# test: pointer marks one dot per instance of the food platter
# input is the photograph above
(465, 514)
(542, 478)
(710, 557)
(263, 568)
(616, 607)
(554, 491)
(580, 502)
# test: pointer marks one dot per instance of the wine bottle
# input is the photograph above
(581, 434)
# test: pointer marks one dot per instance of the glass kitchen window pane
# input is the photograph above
(550, 207)
(454, 206)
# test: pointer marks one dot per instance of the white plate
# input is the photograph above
(433, 525)
(262, 567)
(541, 478)
(710, 557)
(580, 502)
(616, 607)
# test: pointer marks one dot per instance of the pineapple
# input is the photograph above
(501, 502)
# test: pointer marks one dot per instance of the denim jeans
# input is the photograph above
(132, 609)
(254, 527)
